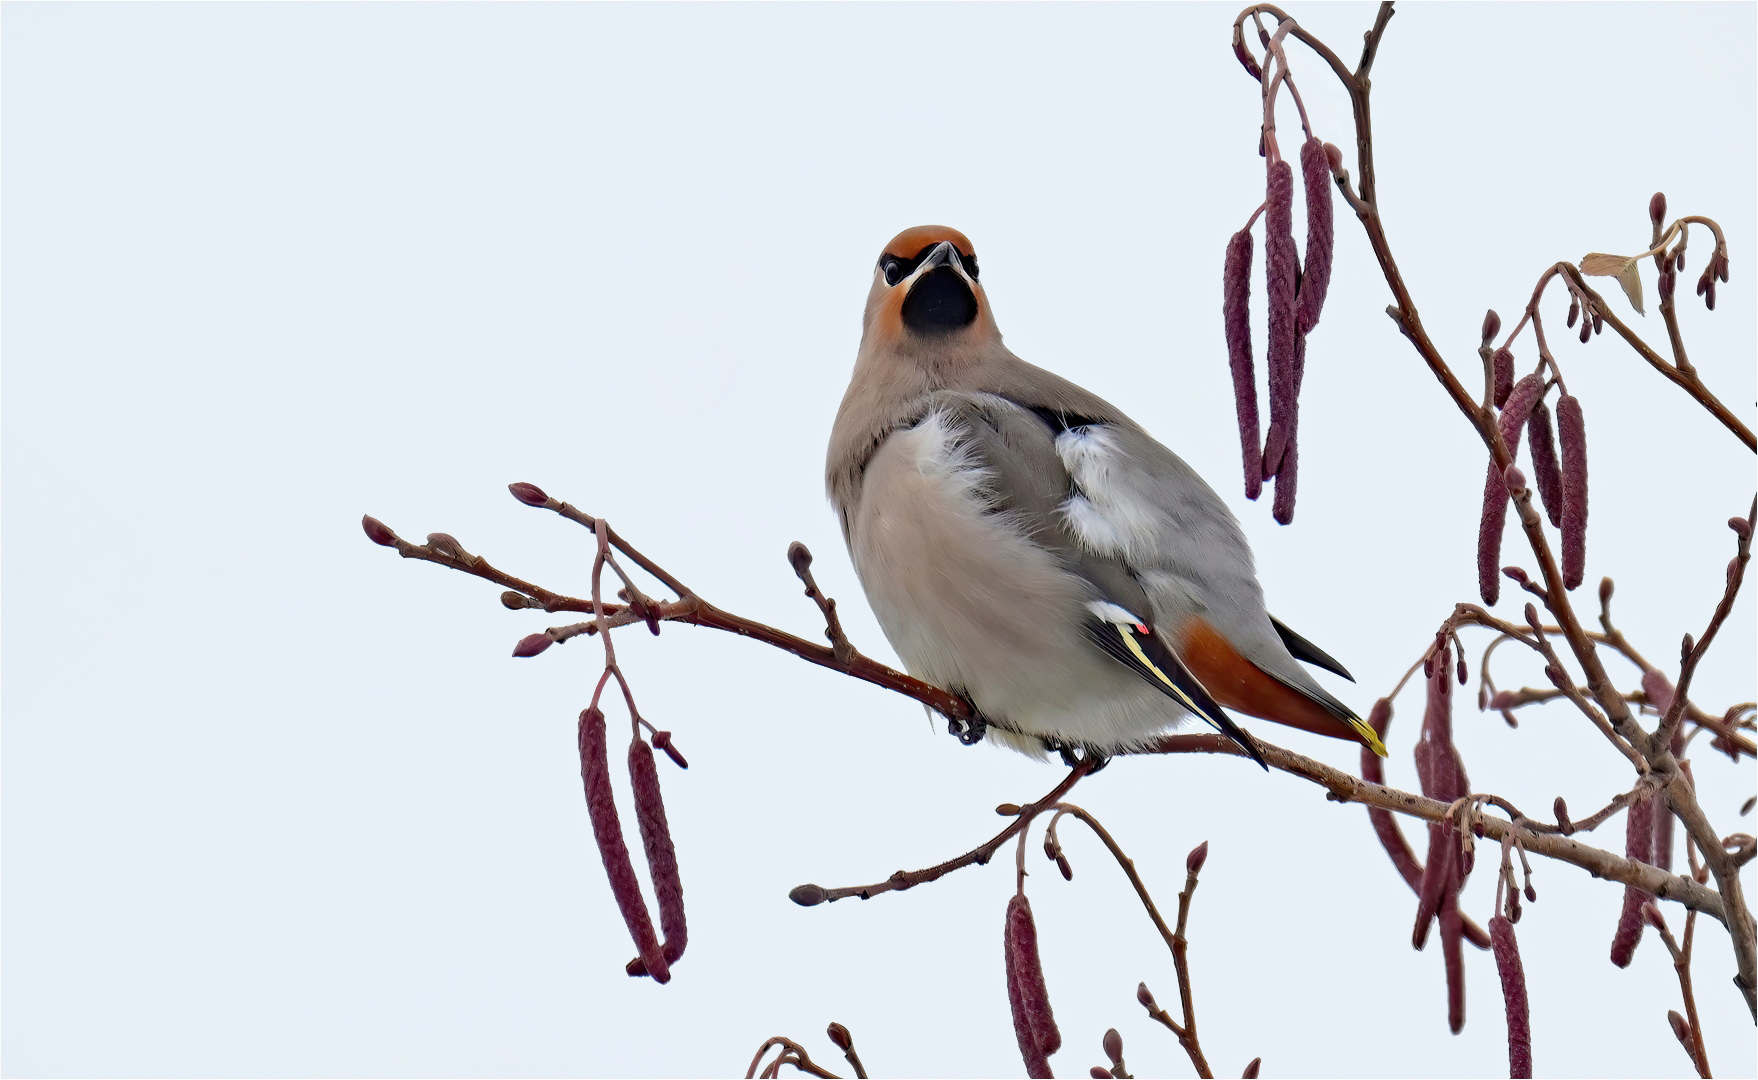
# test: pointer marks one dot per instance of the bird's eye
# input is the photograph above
(970, 266)
(893, 268)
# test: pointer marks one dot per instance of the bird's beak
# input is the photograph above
(944, 254)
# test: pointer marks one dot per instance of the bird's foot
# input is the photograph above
(1073, 754)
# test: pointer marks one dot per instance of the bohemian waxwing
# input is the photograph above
(1028, 546)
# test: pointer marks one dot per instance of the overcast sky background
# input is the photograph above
(276, 803)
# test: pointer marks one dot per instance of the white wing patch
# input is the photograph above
(1107, 516)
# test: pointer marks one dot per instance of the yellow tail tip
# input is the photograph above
(1369, 736)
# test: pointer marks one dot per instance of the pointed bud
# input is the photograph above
(1679, 261)
(1657, 209)
(1146, 997)
(1062, 865)
(1236, 323)
(1333, 156)
(1514, 480)
(515, 601)
(1561, 810)
(1681, 1029)
(1515, 573)
(1574, 312)
(529, 494)
(1741, 527)
(1492, 325)
(1464, 672)
(1251, 1068)
(378, 532)
(799, 557)
(532, 644)
(808, 895)
(1193, 863)
(839, 1037)
(1008, 809)
(1113, 1044)
(1658, 689)
(446, 544)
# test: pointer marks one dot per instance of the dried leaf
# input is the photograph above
(1599, 265)
(1631, 279)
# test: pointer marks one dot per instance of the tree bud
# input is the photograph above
(1113, 1044)
(1657, 209)
(378, 532)
(1492, 325)
(808, 895)
(1146, 997)
(1193, 863)
(839, 1037)
(529, 494)
(532, 644)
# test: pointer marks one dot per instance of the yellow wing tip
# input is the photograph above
(1368, 735)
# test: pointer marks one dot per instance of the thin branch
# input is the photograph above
(1342, 787)
(977, 856)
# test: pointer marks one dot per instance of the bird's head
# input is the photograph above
(926, 296)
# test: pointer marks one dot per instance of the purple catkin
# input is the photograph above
(1572, 434)
(662, 857)
(1638, 845)
(1504, 375)
(1495, 492)
(1451, 935)
(1315, 282)
(1236, 322)
(1282, 506)
(1033, 1023)
(1441, 772)
(601, 807)
(1507, 952)
(1281, 264)
(1391, 837)
(1546, 471)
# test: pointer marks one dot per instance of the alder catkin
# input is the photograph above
(1281, 265)
(1236, 323)
(1546, 471)
(1638, 845)
(1504, 375)
(1572, 434)
(662, 856)
(1513, 973)
(1526, 392)
(1315, 282)
(1034, 1025)
(607, 829)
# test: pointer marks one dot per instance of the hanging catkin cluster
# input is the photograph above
(1296, 296)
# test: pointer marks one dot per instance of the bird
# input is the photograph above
(1027, 546)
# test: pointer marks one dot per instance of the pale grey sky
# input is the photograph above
(276, 803)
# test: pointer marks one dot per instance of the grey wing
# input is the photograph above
(1027, 480)
(1140, 501)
